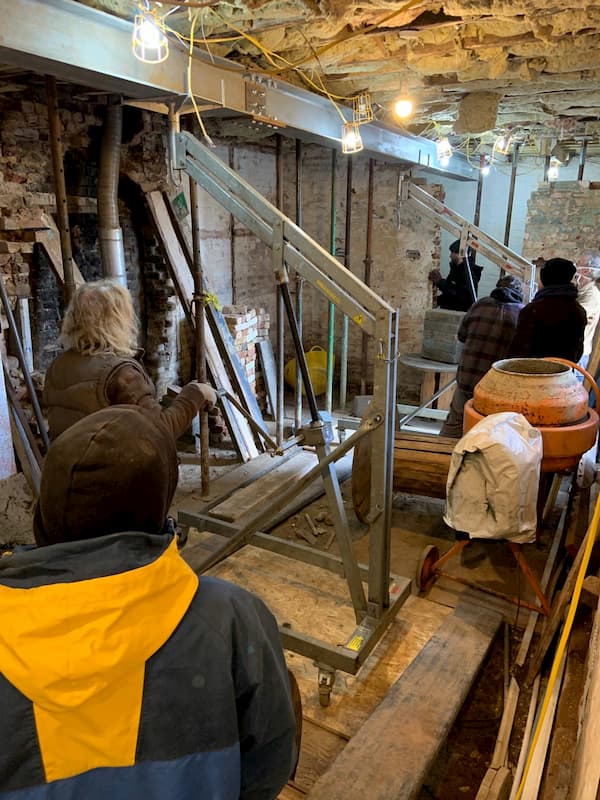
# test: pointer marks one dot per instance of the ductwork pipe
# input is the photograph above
(109, 230)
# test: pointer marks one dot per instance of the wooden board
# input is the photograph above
(421, 464)
(264, 348)
(49, 241)
(218, 326)
(390, 755)
(247, 502)
(240, 476)
(239, 429)
(320, 747)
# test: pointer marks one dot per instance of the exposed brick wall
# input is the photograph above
(563, 219)
(26, 185)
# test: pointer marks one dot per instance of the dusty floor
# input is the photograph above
(464, 757)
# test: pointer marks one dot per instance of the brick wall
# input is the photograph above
(563, 219)
(26, 186)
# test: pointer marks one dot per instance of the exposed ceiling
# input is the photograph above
(472, 66)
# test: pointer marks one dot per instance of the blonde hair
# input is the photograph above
(100, 319)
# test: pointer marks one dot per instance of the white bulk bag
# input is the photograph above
(493, 480)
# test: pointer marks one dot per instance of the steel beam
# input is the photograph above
(83, 45)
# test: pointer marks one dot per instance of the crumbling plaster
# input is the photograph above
(525, 50)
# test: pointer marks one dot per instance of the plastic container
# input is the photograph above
(316, 360)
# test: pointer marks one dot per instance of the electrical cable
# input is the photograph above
(189, 82)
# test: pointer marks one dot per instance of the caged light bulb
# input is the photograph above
(149, 40)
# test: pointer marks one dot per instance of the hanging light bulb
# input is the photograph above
(503, 144)
(553, 170)
(149, 39)
(362, 110)
(403, 107)
(443, 150)
(351, 139)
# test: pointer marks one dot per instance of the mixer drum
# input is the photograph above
(545, 392)
(549, 396)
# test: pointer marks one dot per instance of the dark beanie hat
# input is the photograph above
(557, 271)
(512, 283)
(115, 470)
(455, 248)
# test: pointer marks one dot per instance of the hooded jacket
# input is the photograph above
(455, 290)
(123, 676)
(553, 324)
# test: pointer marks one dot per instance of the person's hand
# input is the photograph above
(435, 276)
(206, 397)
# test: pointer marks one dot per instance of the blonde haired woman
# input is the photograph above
(97, 369)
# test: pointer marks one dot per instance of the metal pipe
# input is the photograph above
(299, 280)
(347, 244)
(280, 415)
(60, 188)
(110, 234)
(200, 332)
(331, 306)
(367, 262)
(546, 168)
(231, 161)
(12, 325)
(582, 156)
(408, 417)
(511, 192)
(301, 364)
(477, 213)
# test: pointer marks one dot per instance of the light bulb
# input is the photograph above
(403, 107)
(553, 171)
(443, 149)
(351, 139)
(149, 40)
(503, 144)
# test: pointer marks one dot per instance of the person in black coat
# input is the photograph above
(458, 291)
(553, 323)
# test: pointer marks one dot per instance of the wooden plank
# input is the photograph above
(239, 477)
(218, 325)
(247, 502)
(290, 793)
(49, 241)
(238, 426)
(264, 348)
(391, 753)
(320, 747)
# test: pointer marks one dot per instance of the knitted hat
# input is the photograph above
(115, 470)
(455, 248)
(557, 271)
(513, 284)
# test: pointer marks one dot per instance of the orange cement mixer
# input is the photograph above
(549, 396)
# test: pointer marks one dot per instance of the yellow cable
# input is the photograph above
(591, 536)
(354, 34)
(189, 77)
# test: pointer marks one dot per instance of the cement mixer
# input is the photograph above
(544, 390)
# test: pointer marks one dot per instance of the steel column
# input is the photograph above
(511, 192)
(280, 415)
(367, 279)
(299, 280)
(347, 262)
(582, 156)
(331, 306)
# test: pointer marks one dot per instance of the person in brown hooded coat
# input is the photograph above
(125, 675)
(99, 368)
